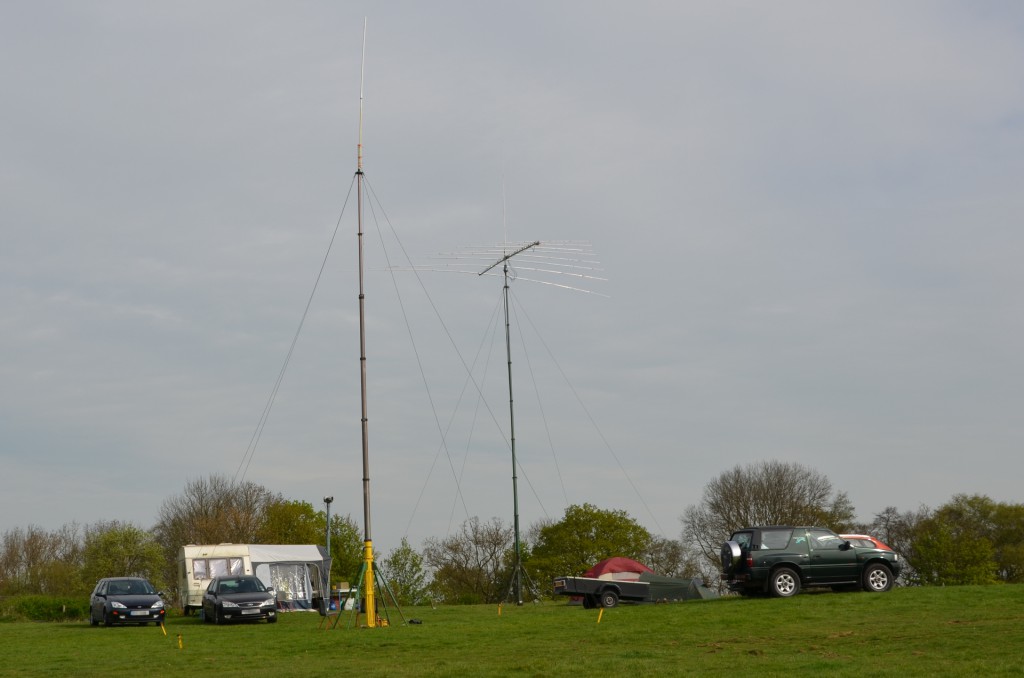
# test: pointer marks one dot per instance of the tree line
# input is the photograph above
(971, 539)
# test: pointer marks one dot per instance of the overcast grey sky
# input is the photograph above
(808, 214)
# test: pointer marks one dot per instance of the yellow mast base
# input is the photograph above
(368, 580)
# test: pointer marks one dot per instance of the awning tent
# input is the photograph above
(295, 571)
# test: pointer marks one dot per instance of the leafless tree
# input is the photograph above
(471, 566)
(667, 557)
(33, 560)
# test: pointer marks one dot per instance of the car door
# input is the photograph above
(97, 601)
(832, 561)
(208, 598)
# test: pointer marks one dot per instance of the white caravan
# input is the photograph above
(297, 572)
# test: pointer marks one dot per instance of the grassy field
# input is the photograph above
(908, 632)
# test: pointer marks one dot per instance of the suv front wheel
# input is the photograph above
(784, 583)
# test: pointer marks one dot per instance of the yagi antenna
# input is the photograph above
(535, 243)
(569, 265)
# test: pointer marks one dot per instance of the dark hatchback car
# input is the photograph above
(239, 598)
(125, 600)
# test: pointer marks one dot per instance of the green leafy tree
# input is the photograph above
(945, 556)
(403, 570)
(346, 549)
(1008, 541)
(116, 549)
(292, 522)
(959, 543)
(584, 536)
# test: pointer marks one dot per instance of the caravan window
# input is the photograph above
(207, 568)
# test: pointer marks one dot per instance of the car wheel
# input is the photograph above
(784, 583)
(108, 620)
(730, 555)
(608, 599)
(877, 578)
(92, 618)
(272, 620)
(216, 616)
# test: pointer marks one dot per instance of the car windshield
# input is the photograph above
(242, 585)
(130, 587)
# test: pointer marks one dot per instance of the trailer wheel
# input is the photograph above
(608, 598)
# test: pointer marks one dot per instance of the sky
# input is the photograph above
(804, 215)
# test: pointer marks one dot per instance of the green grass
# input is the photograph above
(908, 632)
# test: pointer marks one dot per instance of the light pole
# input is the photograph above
(328, 500)
(326, 576)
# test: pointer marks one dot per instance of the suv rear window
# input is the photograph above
(775, 539)
(743, 539)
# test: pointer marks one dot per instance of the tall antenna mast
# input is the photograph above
(517, 571)
(368, 574)
(564, 264)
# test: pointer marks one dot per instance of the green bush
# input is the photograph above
(44, 608)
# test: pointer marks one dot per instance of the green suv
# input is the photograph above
(780, 560)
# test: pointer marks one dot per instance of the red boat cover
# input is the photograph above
(619, 568)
